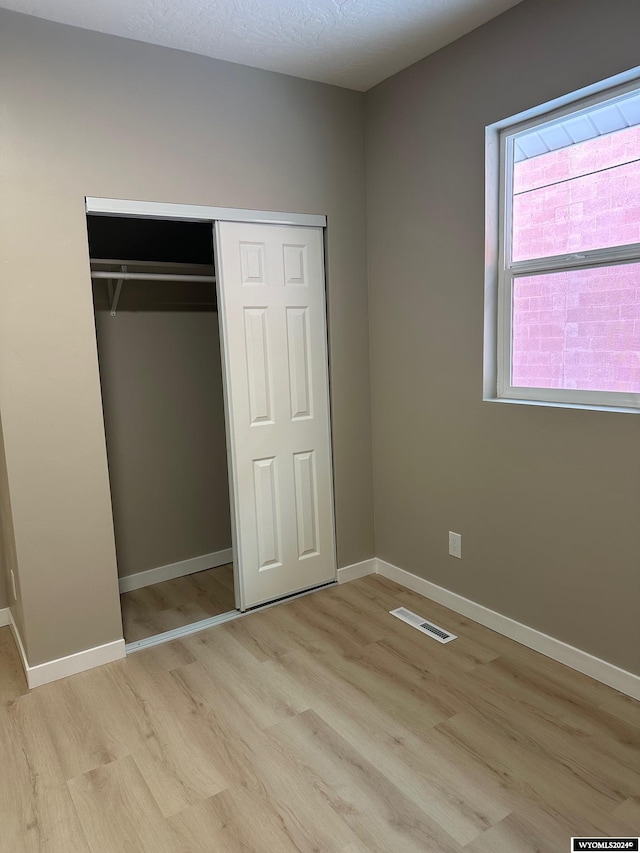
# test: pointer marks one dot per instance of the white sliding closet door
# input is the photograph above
(272, 309)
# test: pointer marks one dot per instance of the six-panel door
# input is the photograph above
(272, 306)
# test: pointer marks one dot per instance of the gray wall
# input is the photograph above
(161, 382)
(7, 542)
(5, 530)
(88, 114)
(4, 594)
(547, 500)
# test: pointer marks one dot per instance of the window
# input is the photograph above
(566, 253)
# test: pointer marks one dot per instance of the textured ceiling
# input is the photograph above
(352, 43)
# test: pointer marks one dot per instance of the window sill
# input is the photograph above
(553, 405)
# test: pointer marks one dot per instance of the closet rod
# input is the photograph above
(123, 275)
(151, 276)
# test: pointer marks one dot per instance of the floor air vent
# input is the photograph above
(418, 622)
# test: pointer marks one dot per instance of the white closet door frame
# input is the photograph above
(198, 212)
(206, 213)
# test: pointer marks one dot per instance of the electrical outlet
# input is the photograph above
(13, 584)
(455, 544)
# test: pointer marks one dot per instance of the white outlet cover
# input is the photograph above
(455, 544)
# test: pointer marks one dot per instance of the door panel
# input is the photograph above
(256, 336)
(299, 363)
(272, 311)
(269, 537)
(306, 503)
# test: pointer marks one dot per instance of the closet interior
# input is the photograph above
(159, 354)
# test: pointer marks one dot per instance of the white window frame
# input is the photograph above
(501, 271)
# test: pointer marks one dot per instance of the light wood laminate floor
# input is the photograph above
(323, 724)
(175, 603)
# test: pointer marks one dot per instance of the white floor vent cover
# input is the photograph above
(418, 622)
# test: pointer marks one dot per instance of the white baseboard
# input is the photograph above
(357, 570)
(607, 673)
(175, 570)
(53, 670)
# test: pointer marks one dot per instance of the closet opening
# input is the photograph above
(156, 318)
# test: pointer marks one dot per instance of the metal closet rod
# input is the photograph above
(151, 276)
(123, 275)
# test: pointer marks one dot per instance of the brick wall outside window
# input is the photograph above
(578, 329)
